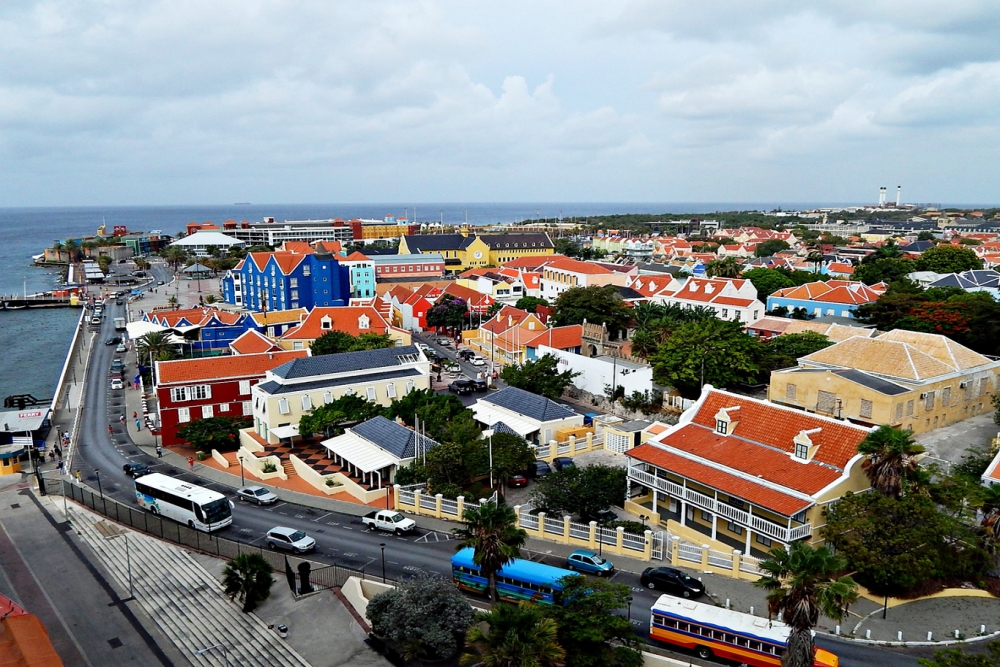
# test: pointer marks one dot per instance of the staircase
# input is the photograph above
(288, 468)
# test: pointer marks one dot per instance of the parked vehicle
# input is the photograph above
(121, 348)
(563, 463)
(461, 387)
(113, 340)
(256, 494)
(389, 521)
(465, 354)
(588, 561)
(117, 383)
(673, 581)
(538, 469)
(95, 320)
(517, 481)
(135, 470)
(289, 539)
(444, 342)
(476, 360)
(479, 385)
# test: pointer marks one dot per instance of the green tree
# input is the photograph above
(539, 376)
(596, 305)
(174, 255)
(716, 352)
(771, 247)
(491, 531)
(511, 455)
(155, 346)
(427, 616)
(449, 312)
(331, 419)
(728, 267)
(581, 491)
(435, 411)
(785, 351)
(336, 342)
(247, 578)
(884, 271)
(591, 628)
(495, 308)
(219, 433)
(888, 250)
(926, 235)
(514, 636)
(530, 303)
(654, 322)
(954, 657)
(891, 456)
(989, 505)
(768, 281)
(453, 464)
(948, 259)
(802, 583)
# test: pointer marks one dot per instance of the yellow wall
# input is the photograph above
(488, 257)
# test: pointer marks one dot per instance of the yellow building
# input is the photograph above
(741, 473)
(461, 251)
(505, 336)
(917, 381)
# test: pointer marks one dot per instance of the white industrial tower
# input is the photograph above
(881, 196)
(899, 195)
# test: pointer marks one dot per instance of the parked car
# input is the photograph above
(113, 340)
(121, 348)
(135, 470)
(538, 469)
(673, 581)
(517, 481)
(423, 346)
(479, 385)
(465, 354)
(389, 521)
(289, 539)
(444, 342)
(476, 360)
(117, 364)
(159, 282)
(461, 387)
(95, 320)
(582, 560)
(117, 383)
(257, 494)
(563, 463)
(603, 518)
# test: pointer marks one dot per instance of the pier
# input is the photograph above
(20, 303)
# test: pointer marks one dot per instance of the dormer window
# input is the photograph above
(801, 450)
(326, 323)
(364, 322)
(722, 426)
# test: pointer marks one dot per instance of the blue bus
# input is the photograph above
(517, 581)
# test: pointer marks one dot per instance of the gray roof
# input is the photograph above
(500, 427)
(631, 426)
(983, 277)
(392, 437)
(431, 242)
(530, 405)
(872, 382)
(345, 362)
(31, 418)
(276, 388)
(953, 280)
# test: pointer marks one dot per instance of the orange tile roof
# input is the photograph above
(730, 484)
(471, 296)
(357, 257)
(221, 368)
(278, 316)
(577, 266)
(342, 318)
(560, 338)
(506, 317)
(253, 342)
(732, 301)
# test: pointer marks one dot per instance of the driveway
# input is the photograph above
(951, 442)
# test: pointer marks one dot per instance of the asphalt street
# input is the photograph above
(341, 539)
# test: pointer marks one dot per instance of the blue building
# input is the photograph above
(362, 272)
(266, 281)
(205, 329)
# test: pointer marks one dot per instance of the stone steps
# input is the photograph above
(289, 468)
(186, 601)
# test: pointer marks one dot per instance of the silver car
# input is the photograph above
(257, 494)
(289, 539)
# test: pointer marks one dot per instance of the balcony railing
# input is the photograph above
(734, 514)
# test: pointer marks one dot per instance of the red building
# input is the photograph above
(190, 389)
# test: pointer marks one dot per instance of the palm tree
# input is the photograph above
(816, 259)
(71, 247)
(174, 255)
(491, 530)
(728, 267)
(248, 579)
(517, 636)
(888, 250)
(891, 457)
(989, 496)
(141, 263)
(156, 346)
(800, 586)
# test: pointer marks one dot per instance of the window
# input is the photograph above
(293, 282)
(371, 393)
(297, 345)
(725, 313)
(306, 270)
(327, 398)
(178, 394)
(183, 415)
(247, 408)
(409, 386)
(202, 391)
(223, 407)
(790, 390)
(706, 515)
(909, 410)
(764, 541)
(983, 385)
(721, 426)
(390, 391)
(244, 387)
(733, 528)
(866, 408)
(801, 450)
(294, 295)
(826, 401)
(945, 396)
(929, 401)
(207, 412)
(899, 411)
(283, 406)
(306, 402)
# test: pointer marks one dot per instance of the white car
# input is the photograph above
(121, 348)
(477, 361)
(257, 494)
(289, 539)
(117, 384)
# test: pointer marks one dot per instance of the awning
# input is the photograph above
(30, 418)
(489, 416)
(361, 453)
(285, 431)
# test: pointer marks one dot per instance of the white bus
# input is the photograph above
(197, 507)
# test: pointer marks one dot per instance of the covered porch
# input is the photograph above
(369, 466)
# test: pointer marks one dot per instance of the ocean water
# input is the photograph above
(35, 341)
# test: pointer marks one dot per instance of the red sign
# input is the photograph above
(121, 230)
(29, 415)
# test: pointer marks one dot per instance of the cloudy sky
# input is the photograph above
(188, 101)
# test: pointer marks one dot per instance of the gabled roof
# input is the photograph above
(940, 347)
(895, 356)
(835, 332)
(341, 318)
(507, 317)
(530, 405)
(561, 338)
(253, 342)
(577, 266)
(392, 437)
(207, 369)
(419, 243)
(348, 362)
(771, 323)
(471, 296)
(834, 291)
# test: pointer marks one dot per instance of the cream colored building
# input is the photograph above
(912, 380)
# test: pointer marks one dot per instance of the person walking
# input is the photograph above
(121, 419)
(159, 452)
(191, 462)
(138, 425)
(111, 430)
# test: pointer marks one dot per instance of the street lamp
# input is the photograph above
(104, 503)
(243, 481)
(382, 547)
(643, 517)
(629, 600)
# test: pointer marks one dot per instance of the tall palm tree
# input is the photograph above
(989, 496)
(891, 456)
(801, 584)
(141, 263)
(491, 530)
(155, 346)
(73, 248)
(517, 636)
(247, 578)
(728, 267)
(816, 259)
(174, 255)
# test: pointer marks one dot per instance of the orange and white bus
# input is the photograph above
(724, 633)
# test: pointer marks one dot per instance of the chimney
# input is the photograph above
(899, 195)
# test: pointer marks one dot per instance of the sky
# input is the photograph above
(115, 102)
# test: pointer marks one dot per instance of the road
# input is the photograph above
(341, 539)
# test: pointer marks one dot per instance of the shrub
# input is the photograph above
(269, 467)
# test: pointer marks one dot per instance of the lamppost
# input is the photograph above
(99, 487)
(382, 547)
(243, 481)
(629, 600)
(128, 562)
(643, 517)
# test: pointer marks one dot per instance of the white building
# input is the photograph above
(596, 373)
(200, 242)
(563, 274)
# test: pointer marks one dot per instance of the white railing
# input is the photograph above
(449, 507)
(749, 564)
(528, 521)
(579, 531)
(719, 559)
(800, 532)
(689, 552)
(542, 451)
(428, 502)
(407, 497)
(553, 526)
(563, 448)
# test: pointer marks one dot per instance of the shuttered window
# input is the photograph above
(790, 391)
(826, 401)
(866, 408)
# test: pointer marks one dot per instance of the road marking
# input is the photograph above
(434, 536)
(271, 509)
(350, 554)
(323, 517)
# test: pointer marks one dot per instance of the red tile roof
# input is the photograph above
(253, 342)
(577, 266)
(471, 296)
(506, 317)
(342, 318)
(561, 338)
(221, 368)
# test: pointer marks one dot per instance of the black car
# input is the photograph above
(538, 469)
(563, 463)
(603, 518)
(135, 470)
(114, 340)
(478, 385)
(465, 354)
(673, 581)
(462, 387)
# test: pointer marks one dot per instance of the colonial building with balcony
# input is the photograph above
(745, 473)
